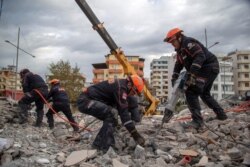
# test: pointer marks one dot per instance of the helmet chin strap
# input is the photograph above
(179, 39)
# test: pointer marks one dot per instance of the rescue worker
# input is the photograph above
(30, 84)
(60, 101)
(202, 67)
(97, 100)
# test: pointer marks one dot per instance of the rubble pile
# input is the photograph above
(219, 143)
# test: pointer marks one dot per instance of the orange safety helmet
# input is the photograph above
(171, 34)
(138, 83)
(54, 81)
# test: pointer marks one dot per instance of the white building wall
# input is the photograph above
(160, 78)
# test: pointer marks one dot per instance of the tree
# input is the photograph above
(70, 78)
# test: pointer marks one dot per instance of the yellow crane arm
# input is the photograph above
(115, 50)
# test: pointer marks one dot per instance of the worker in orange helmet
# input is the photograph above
(60, 101)
(98, 100)
(202, 68)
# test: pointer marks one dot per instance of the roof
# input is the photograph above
(100, 66)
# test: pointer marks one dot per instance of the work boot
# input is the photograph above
(51, 126)
(192, 124)
(76, 129)
(22, 120)
(37, 124)
(39, 118)
(221, 116)
(23, 113)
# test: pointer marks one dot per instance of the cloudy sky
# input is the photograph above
(54, 30)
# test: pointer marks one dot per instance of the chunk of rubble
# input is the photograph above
(203, 161)
(189, 152)
(117, 163)
(246, 160)
(139, 152)
(78, 156)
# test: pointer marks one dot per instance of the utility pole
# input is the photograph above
(17, 53)
(206, 37)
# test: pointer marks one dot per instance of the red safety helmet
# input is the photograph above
(171, 34)
(138, 83)
(54, 81)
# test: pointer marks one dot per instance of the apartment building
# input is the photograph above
(113, 69)
(160, 78)
(241, 71)
(223, 85)
(10, 84)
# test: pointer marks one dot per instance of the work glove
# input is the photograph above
(174, 78)
(191, 80)
(137, 137)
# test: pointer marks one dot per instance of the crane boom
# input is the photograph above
(115, 50)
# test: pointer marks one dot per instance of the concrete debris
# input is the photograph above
(188, 152)
(203, 161)
(78, 156)
(117, 163)
(220, 143)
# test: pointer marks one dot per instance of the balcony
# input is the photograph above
(140, 73)
(115, 71)
(141, 64)
(243, 70)
(112, 62)
(98, 71)
(243, 79)
(97, 80)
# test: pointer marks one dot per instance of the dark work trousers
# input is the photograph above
(208, 99)
(26, 100)
(65, 108)
(202, 90)
(105, 137)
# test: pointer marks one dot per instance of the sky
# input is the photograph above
(55, 30)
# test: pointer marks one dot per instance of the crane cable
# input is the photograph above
(56, 113)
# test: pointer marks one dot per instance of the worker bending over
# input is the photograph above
(202, 67)
(97, 100)
(60, 101)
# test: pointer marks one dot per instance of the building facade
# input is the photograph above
(159, 78)
(241, 71)
(10, 84)
(223, 85)
(113, 69)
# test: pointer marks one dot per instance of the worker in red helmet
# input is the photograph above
(60, 101)
(202, 67)
(98, 100)
(31, 83)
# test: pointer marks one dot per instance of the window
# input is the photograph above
(246, 66)
(247, 84)
(215, 87)
(246, 75)
(246, 57)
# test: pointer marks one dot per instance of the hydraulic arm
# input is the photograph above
(115, 50)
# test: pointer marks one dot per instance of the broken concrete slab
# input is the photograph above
(117, 163)
(203, 161)
(189, 152)
(78, 156)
